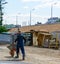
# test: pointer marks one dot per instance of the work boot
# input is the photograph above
(16, 56)
(23, 58)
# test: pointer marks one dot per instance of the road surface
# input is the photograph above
(34, 55)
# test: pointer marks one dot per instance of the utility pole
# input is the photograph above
(52, 9)
(31, 16)
(2, 2)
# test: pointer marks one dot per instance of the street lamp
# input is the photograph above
(52, 9)
(31, 15)
(17, 22)
(17, 18)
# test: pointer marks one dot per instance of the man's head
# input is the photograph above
(19, 32)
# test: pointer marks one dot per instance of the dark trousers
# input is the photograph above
(22, 50)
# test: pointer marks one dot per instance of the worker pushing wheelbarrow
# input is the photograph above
(19, 45)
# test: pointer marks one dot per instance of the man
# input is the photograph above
(20, 45)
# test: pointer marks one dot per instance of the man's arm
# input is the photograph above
(17, 38)
(24, 39)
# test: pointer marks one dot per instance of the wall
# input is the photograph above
(4, 38)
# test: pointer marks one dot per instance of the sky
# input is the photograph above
(18, 11)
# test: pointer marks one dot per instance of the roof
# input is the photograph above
(42, 27)
(47, 34)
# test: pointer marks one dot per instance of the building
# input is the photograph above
(52, 20)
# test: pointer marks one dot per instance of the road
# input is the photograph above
(34, 55)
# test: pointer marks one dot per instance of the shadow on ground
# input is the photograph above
(9, 58)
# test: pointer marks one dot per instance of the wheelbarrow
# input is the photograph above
(12, 48)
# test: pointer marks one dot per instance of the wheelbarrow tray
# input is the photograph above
(11, 46)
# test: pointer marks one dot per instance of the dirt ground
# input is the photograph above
(34, 55)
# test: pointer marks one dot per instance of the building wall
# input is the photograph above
(5, 39)
(35, 42)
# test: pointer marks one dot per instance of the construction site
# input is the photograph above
(42, 45)
(29, 32)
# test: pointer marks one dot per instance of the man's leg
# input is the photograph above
(23, 52)
(17, 52)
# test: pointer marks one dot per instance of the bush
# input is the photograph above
(2, 29)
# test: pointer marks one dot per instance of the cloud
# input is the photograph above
(47, 3)
(57, 4)
(11, 18)
(36, 0)
(26, 7)
(43, 3)
(40, 1)
(29, 0)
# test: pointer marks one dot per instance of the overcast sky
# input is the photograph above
(19, 10)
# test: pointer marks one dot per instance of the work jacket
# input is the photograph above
(20, 40)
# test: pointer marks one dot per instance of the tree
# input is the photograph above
(2, 29)
(58, 20)
(1, 13)
(39, 23)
